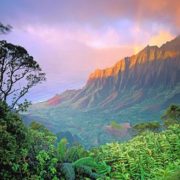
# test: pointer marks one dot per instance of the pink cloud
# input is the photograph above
(72, 38)
(160, 38)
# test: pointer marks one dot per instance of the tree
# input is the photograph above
(5, 28)
(18, 73)
(41, 156)
(151, 126)
(171, 115)
(14, 144)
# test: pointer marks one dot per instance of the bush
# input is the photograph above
(171, 115)
(152, 126)
(147, 156)
(14, 144)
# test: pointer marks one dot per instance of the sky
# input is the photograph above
(72, 38)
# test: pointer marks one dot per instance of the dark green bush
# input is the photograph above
(152, 126)
(13, 144)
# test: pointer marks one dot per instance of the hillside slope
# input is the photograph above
(151, 68)
(135, 89)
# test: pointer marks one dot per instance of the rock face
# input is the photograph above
(128, 81)
(57, 99)
(135, 89)
(151, 68)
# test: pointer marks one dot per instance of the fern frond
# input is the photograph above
(68, 171)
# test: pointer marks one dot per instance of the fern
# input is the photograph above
(62, 148)
(68, 171)
(85, 171)
(87, 161)
(147, 156)
(103, 168)
(88, 165)
(83, 167)
(174, 176)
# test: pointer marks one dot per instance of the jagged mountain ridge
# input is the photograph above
(134, 90)
(153, 67)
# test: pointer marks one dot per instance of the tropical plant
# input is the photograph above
(84, 167)
(74, 163)
(14, 144)
(171, 115)
(42, 154)
(147, 156)
(151, 126)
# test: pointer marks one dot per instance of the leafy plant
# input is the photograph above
(115, 125)
(14, 143)
(62, 149)
(84, 167)
(171, 115)
(152, 126)
(147, 156)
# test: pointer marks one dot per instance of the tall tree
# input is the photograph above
(18, 73)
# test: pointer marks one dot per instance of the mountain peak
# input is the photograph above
(173, 45)
(153, 67)
(150, 53)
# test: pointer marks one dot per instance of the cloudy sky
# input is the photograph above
(71, 38)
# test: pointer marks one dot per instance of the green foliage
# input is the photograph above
(41, 140)
(42, 154)
(69, 154)
(75, 152)
(171, 115)
(47, 161)
(62, 148)
(147, 156)
(173, 112)
(83, 167)
(88, 167)
(152, 126)
(67, 170)
(85, 171)
(115, 125)
(87, 161)
(14, 144)
(174, 176)
(32, 153)
(40, 128)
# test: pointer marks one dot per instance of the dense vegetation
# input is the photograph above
(172, 115)
(14, 144)
(91, 124)
(34, 153)
(153, 126)
(147, 156)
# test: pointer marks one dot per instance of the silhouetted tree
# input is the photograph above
(5, 28)
(18, 73)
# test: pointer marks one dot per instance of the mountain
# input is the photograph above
(135, 89)
(153, 67)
